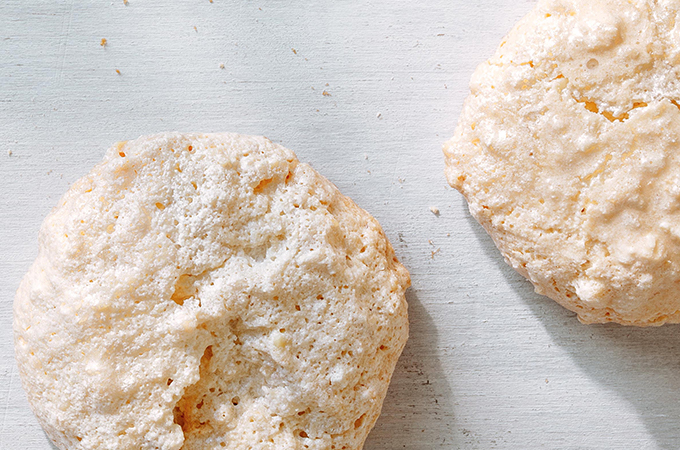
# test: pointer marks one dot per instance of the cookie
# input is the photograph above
(567, 153)
(209, 291)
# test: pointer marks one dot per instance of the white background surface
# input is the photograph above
(489, 364)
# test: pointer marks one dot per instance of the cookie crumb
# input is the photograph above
(9, 152)
(434, 210)
(103, 42)
(195, 29)
(294, 51)
(326, 94)
(125, 2)
(379, 115)
(118, 72)
(221, 65)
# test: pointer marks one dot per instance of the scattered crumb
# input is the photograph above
(313, 88)
(379, 115)
(294, 51)
(446, 87)
(435, 251)
(401, 180)
(118, 72)
(211, 1)
(440, 34)
(326, 84)
(434, 210)
(125, 2)
(9, 152)
(195, 29)
(221, 65)
(365, 156)
(546, 381)
(103, 42)
(326, 94)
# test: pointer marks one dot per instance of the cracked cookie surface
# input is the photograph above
(209, 291)
(567, 153)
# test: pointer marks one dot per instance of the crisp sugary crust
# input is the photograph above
(567, 152)
(209, 291)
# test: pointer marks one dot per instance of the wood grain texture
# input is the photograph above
(489, 364)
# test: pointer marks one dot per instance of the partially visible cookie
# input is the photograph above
(568, 152)
(209, 291)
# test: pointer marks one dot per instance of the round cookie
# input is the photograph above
(209, 291)
(567, 151)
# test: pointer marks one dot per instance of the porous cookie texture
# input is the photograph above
(209, 291)
(568, 152)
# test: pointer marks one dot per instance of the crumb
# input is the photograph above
(401, 180)
(9, 152)
(125, 2)
(326, 84)
(365, 156)
(440, 34)
(221, 65)
(326, 94)
(434, 252)
(118, 72)
(445, 87)
(103, 42)
(434, 210)
(196, 29)
(294, 51)
(379, 115)
(313, 88)
(429, 241)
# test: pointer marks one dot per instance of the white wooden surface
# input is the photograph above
(489, 364)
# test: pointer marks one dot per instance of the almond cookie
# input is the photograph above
(567, 151)
(209, 291)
